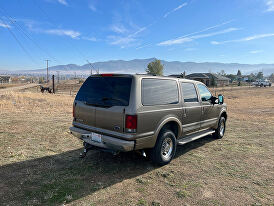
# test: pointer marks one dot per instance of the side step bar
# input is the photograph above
(195, 136)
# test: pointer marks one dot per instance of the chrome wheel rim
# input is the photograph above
(167, 148)
(222, 129)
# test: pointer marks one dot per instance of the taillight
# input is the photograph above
(131, 123)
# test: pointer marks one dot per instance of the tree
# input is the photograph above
(271, 77)
(260, 75)
(239, 73)
(222, 72)
(155, 68)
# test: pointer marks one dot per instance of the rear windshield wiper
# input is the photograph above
(115, 99)
(95, 105)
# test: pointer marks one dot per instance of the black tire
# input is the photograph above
(158, 153)
(220, 131)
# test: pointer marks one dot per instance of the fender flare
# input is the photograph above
(164, 121)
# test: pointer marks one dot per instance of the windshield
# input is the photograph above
(105, 91)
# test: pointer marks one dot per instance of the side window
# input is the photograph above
(204, 92)
(159, 92)
(189, 92)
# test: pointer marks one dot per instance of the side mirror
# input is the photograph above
(220, 99)
(213, 100)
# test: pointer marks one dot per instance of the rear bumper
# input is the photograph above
(108, 142)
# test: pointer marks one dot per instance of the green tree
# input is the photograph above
(260, 75)
(271, 77)
(251, 77)
(155, 68)
(239, 73)
(222, 72)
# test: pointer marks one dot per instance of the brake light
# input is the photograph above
(131, 123)
(106, 75)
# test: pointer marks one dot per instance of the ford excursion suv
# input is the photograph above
(151, 114)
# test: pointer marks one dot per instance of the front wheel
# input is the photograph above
(165, 148)
(220, 131)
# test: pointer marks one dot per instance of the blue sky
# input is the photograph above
(74, 31)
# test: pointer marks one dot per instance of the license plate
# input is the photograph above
(96, 137)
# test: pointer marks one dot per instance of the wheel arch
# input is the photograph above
(172, 123)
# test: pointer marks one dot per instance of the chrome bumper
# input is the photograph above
(107, 141)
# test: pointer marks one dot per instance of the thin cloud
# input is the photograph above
(121, 41)
(185, 39)
(128, 40)
(4, 25)
(143, 46)
(64, 2)
(249, 38)
(118, 28)
(89, 38)
(92, 7)
(256, 51)
(175, 9)
(62, 32)
(270, 5)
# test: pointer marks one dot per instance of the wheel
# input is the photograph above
(164, 149)
(220, 131)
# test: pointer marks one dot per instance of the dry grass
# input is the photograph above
(39, 162)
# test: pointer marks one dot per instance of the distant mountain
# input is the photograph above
(139, 66)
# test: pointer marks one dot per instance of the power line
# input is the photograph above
(19, 43)
(26, 34)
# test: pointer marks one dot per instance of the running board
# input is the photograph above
(195, 136)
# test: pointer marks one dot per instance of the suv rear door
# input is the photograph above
(191, 108)
(101, 101)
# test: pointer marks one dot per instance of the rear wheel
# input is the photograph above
(165, 148)
(220, 131)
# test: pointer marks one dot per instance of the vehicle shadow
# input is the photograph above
(64, 177)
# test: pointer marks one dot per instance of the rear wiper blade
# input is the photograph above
(96, 105)
(115, 99)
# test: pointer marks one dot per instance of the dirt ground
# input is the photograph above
(39, 162)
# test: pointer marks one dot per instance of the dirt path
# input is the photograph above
(2, 91)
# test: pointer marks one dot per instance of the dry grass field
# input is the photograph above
(39, 162)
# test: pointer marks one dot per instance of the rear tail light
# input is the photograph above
(131, 123)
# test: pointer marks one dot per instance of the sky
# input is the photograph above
(82, 31)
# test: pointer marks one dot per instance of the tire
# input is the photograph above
(220, 131)
(164, 149)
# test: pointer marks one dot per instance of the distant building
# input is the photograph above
(209, 79)
(5, 79)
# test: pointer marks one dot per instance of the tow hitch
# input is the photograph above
(87, 147)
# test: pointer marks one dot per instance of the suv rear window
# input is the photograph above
(105, 91)
(159, 92)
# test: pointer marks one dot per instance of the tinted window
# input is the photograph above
(189, 92)
(159, 92)
(204, 92)
(105, 91)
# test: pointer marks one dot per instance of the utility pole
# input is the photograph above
(53, 86)
(58, 76)
(92, 67)
(47, 69)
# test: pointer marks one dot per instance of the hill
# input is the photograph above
(139, 66)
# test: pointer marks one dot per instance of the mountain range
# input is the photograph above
(139, 66)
